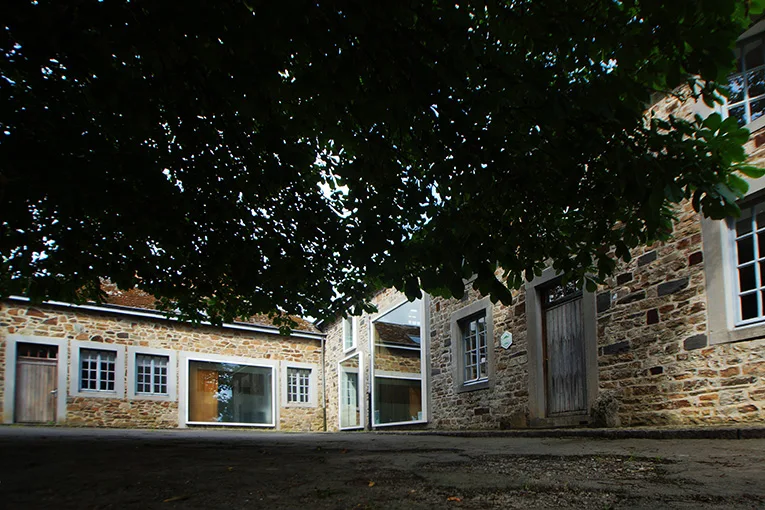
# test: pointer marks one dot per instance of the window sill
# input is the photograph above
(158, 398)
(96, 394)
(475, 386)
(738, 334)
(296, 405)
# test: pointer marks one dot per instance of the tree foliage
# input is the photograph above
(235, 157)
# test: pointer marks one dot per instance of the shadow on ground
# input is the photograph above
(51, 468)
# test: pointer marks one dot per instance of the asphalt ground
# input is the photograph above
(172, 469)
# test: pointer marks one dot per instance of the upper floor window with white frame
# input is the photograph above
(748, 238)
(350, 333)
(151, 374)
(97, 370)
(746, 101)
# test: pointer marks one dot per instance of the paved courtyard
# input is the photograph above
(88, 468)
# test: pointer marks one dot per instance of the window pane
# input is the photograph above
(757, 109)
(756, 82)
(745, 248)
(749, 306)
(736, 86)
(350, 398)
(746, 278)
(398, 400)
(739, 112)
(229, 393)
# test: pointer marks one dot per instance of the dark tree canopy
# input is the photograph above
(235, 157)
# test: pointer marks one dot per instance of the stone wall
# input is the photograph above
(653, 346)
(504, 403)
(108, 328)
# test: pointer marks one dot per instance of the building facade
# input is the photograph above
(675, 337)
(117, 366)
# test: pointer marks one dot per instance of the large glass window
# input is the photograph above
(397, 365)
(351, 391)
(97, 370)
(749, 262)
(230, 393)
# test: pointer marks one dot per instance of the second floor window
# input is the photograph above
(747, 84)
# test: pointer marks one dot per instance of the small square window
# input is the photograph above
(298, 385)
(97, 370)
(151, 374)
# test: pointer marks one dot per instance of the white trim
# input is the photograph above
(119, 370)
(312, 384)
(399, 375)
(158, 315)
(359, 392)
(424, 363)
(9, 387)
(354, 325)
(183, 390)
(395, 423)
(172, 373)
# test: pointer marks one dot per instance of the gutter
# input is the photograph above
(148, 314)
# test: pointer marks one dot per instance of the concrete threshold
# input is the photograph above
(749, 432)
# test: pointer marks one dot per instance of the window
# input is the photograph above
(151, 374)
(350, 333)
(350, 392)
(298, 385)
(97, 370)
(397, 365)
(734, 267)
(746, 101)
(233, 393)
(472, 339)
(474, 348)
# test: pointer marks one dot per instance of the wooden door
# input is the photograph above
(564, 350)
(36, 383)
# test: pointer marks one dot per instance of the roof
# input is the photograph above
(398, 334)
(140, 300)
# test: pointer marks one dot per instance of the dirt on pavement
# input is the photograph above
(88, 468)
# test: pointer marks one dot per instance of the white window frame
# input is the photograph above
(424, 362)
(753, 34)
(350, 324)
(313, 393)
(360, 393)
(720, 261)
(75, 370)
(172, 374)
(183, 402)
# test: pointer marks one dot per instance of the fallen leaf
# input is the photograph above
(454, 498)
(231, 468)
(371, 483)
(344, 450)
(176, 498)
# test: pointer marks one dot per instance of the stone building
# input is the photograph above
(123, 364)
(675, 337)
